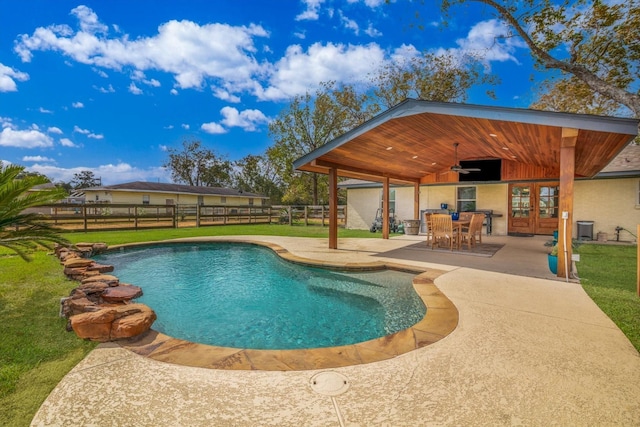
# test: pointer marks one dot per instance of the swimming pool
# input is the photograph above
(245, 296)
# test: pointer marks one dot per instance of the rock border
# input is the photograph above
(100, 308)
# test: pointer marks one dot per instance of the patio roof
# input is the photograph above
(413, 141)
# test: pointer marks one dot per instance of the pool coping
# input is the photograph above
(440, 320)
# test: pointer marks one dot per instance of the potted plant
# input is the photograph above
(552, 256)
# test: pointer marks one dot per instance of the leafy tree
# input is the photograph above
(592, 42)
(21, 230)
(66, 186)
(571, 95)
(308, 123)
(85, 179)
(198, 166)
(430, 77)
(255, 174)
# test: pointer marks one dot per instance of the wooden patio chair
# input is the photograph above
(427, 226)
(472, 234)
(465, 216)
(442, 231)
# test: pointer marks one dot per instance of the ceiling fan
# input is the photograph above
(456, 167)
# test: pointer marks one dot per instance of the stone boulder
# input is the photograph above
(121, 293)
(113, 323)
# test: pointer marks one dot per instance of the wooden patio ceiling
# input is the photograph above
(414, 140)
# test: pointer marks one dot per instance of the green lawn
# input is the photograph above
(36, 351)
(608, 275)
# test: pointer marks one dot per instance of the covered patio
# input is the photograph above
(413, 144)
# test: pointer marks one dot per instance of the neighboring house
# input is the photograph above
(607, 203)
(155, 193)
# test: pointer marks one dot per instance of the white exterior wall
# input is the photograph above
(158, 198)
(608, 203)
(363, 203)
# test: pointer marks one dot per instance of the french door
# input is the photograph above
(533, 207)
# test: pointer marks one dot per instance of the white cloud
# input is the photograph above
(45, 111)
(163, 147)
(189, 51)
(185, 126)
(135, 89)
(108, 89)
(485, 40)
(109, 174)
(77, 105)
(349, 24)
(77, 129)
(8, 77)
(301, 71)
(173, 91)
(311, 12)
(66, 142)
(33, 138)
(55, 130)
(213, 128)
(87, 132)
(37, 159)
(372, 32)
(246, 119)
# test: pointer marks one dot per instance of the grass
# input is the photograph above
(36, 351)
(608, 275)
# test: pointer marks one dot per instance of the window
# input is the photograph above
(548, 201)
(223, 200)
(466, 199)
(392, 200)
(264, 202)
(145, 199)
(250, 202)
(200, 200)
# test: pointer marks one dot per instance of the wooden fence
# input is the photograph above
(94, 217)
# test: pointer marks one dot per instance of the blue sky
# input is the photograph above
(108, 86)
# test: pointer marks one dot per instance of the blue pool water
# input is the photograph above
(246, 296)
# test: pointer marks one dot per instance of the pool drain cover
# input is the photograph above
(329, 383)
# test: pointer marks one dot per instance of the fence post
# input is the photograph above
(84, 216)
(322, 214)
(306, 215)
(197, 215)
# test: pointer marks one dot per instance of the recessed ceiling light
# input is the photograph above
(514, 157)
(414, 157)
(493, 135)
(389, 148)
(433, 164)
(505, 148)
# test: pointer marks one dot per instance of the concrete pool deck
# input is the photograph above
(526, 351)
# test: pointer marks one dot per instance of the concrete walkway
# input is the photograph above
(527, 351)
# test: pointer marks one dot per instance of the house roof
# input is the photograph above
(413, 141)
(159, 187)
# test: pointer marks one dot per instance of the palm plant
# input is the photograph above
(22, 231)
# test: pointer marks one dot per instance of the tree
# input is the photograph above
(255, 174)
(593, 42)
(198, 166)
(21, 230)
(442, 78)
(308, 123)
(85, 179)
